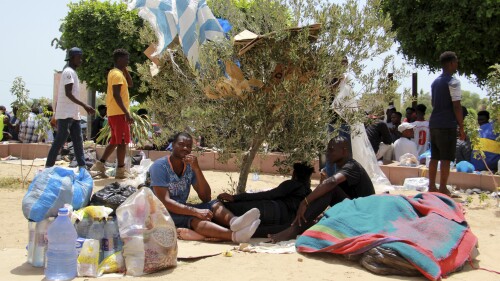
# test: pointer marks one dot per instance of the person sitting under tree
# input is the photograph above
(277, 206)
(351, 181)
(171, 180)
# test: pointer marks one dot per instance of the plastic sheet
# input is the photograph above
(362, 150)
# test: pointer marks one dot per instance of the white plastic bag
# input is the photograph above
(419, 184)
(148, 233)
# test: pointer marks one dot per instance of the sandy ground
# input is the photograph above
(484, 221)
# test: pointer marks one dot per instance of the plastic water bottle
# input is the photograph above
(61, 252)
(96, 232)
(41, 241)
(109, 240)
(83, 226)
(143, 155)
(31, 240)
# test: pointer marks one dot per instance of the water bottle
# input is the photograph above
(83, 226)
(143, 155)
(31, 240)
(108, 242)
(96, 232)
(61, 252)
(41, 241)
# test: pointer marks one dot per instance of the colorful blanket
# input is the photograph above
(429, 230)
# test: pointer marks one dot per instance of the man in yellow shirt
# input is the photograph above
(119, 119)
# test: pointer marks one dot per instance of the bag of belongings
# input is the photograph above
(54, 187)
(148, 233)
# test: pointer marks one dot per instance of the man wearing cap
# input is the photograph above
(446, 116)
(404, 144)
(67, 113)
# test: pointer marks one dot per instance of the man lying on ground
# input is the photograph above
(171, 180)
(277, 206)
(351, 181)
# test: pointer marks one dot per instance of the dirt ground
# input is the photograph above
(484, 219)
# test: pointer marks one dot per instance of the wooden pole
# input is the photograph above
(414, 92)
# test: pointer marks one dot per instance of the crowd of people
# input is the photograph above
(283, 212)
(443, 134)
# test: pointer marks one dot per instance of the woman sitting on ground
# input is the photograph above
(277, 206)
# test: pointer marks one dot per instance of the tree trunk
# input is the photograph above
(247, 165)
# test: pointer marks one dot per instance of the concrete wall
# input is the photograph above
(265, 164)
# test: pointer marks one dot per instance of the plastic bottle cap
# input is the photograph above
(63, 211)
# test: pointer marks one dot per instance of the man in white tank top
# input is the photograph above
(67, 113)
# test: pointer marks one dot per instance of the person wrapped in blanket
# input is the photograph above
(171, 180)
(349, 182)
(277, 206)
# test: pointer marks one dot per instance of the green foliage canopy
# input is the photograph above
(290, 114)
(99, 28)
(426, 28)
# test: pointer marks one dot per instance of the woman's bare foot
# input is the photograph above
(189, 235)
(287, 234)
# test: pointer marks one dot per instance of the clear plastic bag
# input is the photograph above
(408, 160)
(148, 233)
(419, 184)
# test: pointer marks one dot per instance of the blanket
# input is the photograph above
(429, 230)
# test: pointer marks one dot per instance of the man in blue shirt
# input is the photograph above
(489, 143)
(446, 115)
(171, 180)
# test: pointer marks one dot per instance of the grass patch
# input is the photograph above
(11, 183)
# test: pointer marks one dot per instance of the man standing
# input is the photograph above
(446, 114)
(119, 119)
(421, 130)
(67, 112)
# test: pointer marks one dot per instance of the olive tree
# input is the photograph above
(277, 91)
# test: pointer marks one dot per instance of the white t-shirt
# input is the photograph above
(403, 146)
(422, 136)
(64, 107)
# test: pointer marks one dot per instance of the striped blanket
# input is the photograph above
(429, 230)
(191, 20)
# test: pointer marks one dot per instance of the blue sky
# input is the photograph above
(26, 35)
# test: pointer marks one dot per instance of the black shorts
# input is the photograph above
(443, 144)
